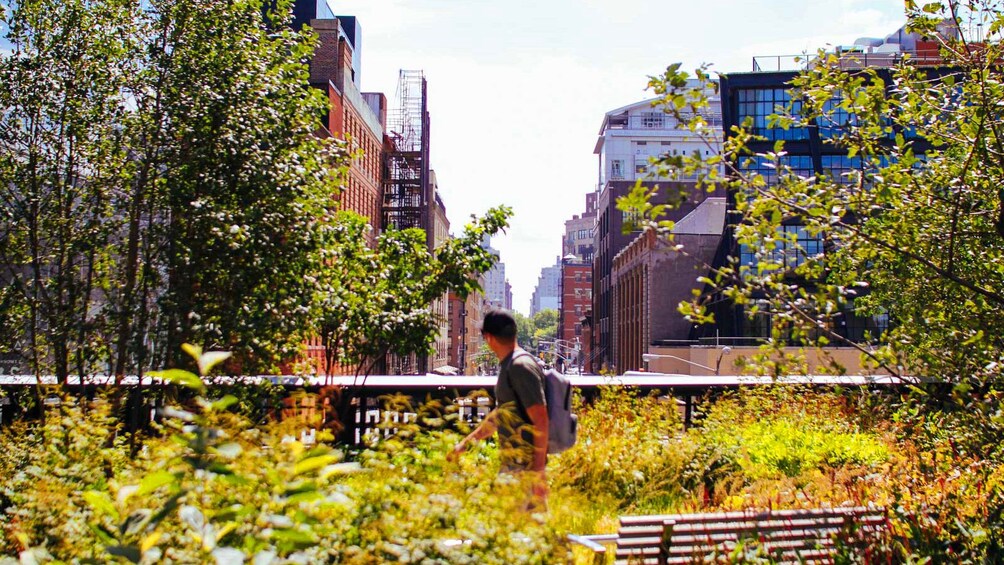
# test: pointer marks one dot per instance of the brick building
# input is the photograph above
(440, 306)
(576, 300)
(578, 239)
(457, 331)
(359, 118)
(650, 279)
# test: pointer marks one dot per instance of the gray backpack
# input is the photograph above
(562, 431)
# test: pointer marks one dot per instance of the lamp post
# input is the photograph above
(646, 357)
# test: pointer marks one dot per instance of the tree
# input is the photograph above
(915, 229)
(524, 332)
(63, 161)
(371, 302)
(545, 324)
(250, 186)
(161, 182)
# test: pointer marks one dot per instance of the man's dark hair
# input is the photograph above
(500, 324)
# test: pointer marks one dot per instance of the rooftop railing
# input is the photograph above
(847, 60)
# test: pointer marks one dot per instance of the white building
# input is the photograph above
(547, 295)
(633, 134)
(495, 281)
(629, 138)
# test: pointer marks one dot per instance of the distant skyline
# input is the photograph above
(518, 89)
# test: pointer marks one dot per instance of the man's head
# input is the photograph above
(499, 330)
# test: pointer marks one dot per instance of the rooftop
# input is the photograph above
(899, 46)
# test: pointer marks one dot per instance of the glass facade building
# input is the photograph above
(752, 100)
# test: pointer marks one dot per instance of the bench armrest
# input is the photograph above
(595, 543)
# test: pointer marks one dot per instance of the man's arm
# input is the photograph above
(486, 428)
(538, 417)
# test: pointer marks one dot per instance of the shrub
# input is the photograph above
(213, 488)
(784, 445)
(47, 466)
(630, 457)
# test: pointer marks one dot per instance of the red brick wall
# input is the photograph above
(576, 300)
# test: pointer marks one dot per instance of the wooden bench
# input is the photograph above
(783, 536)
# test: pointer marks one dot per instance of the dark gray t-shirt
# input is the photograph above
(520, 385)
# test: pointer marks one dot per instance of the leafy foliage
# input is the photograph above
(211, 488)
(371, 302)
(161, 182)
(630, 454)
(910, 229)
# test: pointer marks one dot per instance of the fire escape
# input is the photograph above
(406, 191)
(407, 197)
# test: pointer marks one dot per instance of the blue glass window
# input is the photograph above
(793, 247)
(800, 165)
(760, 103)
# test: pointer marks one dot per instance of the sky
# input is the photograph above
(517, 90)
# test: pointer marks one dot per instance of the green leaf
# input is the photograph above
(154, 481)
(310, 496)
(223, 403)
(181, 377)
(219, 469)
(102, 503)
(105, 536)
(313, 463)
(294, 537)
(193, 351)
(210, 359)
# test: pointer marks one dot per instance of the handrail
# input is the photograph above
(848, 59)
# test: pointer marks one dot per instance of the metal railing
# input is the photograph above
(846, 60)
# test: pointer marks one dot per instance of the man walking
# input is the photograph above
(520, 416)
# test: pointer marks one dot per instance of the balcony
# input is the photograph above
(654, 121)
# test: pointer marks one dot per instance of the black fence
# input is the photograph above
(367, 409)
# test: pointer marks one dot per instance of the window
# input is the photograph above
(760, 103)
(641, 143)
(794, 247)
(800, 165)
(860, 327)
(641, 164)
(759, 324)
(617, 169)
(652, 120)
(838, 167)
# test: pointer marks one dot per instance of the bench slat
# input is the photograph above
(749, 515)
(792, 536)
